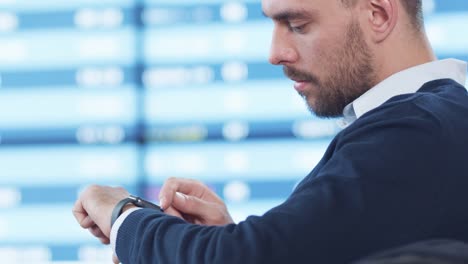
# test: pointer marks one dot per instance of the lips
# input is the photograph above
(301, 79)
(300, 86)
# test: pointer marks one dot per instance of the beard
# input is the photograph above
(350, 74)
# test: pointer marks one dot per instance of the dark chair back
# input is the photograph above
(426, 252)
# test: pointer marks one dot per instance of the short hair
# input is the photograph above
(412, 7)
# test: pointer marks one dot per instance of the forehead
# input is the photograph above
(273, 7)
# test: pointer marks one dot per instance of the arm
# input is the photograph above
(287, 234)
(358, 200)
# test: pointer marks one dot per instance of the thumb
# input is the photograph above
(115, 259)
(190, 204)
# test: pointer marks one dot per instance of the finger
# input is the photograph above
(115, 259)
(104, 240)
(97, 232)
(78, 211)
(87, 222)
(173, 185)
(81, 215)
(172, 211)
(190, 205)
(189, 187)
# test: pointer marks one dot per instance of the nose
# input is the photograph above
(282, 50)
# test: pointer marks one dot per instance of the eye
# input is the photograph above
(297, 29)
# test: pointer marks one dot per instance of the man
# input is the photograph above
(397, 174)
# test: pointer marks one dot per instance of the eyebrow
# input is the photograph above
(290, 15)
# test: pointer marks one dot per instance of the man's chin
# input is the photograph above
(322, 111)
(311, 106)
(318, 110)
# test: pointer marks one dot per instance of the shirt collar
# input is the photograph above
(406, 81)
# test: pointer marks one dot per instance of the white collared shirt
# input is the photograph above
(404, 82)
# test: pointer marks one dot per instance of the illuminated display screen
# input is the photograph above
(129, 93)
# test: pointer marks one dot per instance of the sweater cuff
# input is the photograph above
(117, 224)
(130, 231)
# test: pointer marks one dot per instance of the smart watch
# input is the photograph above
(135, 200)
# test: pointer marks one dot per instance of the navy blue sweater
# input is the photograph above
(397, 175)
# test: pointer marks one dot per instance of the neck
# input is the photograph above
(401, 55)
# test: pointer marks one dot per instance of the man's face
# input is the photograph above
(322, 48)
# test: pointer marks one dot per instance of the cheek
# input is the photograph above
(315, 60)
(316, 53)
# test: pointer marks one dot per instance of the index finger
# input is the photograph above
(115, 259)
(81, 215)
(185, 186)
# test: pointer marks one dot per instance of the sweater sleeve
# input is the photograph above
(358, 200)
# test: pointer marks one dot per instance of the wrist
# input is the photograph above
(128, 207)
(130, 202)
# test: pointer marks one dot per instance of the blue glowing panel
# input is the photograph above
(62, 165)
(55, 5)
(264, 101)
(245, 42)
(39, 49)
(261, 160)
(444, 33)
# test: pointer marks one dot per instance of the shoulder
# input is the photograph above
(400, 119)
(435, 105)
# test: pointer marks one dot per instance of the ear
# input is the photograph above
(382, 18)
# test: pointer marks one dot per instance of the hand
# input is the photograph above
(93, 209)
(194, 202)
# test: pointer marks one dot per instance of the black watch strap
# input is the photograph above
(135, 200)
(118, 209)
(143, 203)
